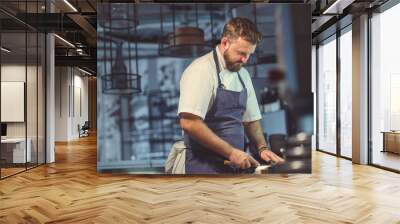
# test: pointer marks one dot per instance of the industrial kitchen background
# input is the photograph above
(143, 50)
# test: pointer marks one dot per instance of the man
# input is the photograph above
(218, 105)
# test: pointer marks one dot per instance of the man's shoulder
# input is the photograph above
(201, 64)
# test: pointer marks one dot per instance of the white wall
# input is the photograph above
(33, 127)
(61, 103)
(71, 94)
(10, 73)
(13, 101)
(81, 89)
(14, 73)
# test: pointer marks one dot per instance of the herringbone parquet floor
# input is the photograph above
(71, 191)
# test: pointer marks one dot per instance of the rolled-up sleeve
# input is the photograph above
(196, 90)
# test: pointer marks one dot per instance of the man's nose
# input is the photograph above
(243, 59)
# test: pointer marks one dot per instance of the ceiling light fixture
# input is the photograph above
(70, 5)
(84, 71)
(5, 50)
(337, 7)
(65, 41)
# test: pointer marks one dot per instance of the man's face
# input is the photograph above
(237, 52)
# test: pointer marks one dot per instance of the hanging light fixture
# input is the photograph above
(185, 41)
(186, 36)
(118, 16)
(121, 81)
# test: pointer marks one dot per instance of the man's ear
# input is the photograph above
(225, 43)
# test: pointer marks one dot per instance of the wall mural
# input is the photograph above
(143, 49)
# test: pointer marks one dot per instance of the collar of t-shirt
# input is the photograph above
(230, 81)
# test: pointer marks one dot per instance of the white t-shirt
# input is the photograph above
(199, 82)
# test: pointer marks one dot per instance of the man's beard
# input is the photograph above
(232, 66)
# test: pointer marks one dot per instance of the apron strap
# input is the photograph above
(218, 69)
(241, 81)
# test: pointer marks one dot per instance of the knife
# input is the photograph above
(260, 169)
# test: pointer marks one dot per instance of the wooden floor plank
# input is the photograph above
(71, 191)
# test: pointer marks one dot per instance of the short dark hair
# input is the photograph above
(244, 28)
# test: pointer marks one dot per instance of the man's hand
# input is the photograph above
(256, 136)
(242, 160)
(268, 155)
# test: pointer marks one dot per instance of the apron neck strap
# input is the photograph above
(241, 81)
(218, 68)
(216, 61)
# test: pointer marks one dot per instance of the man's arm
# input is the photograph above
(195, 127)
(255, 134)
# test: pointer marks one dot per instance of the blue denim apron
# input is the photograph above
(225, 119)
